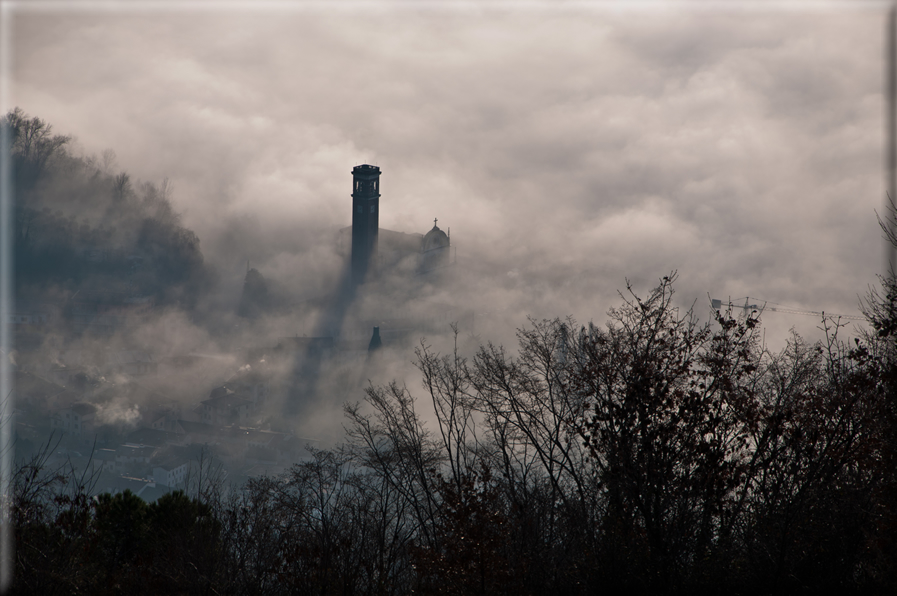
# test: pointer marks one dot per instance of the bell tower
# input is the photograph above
(365, 219)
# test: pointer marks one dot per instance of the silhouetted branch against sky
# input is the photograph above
(566, 148)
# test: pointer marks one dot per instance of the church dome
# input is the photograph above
(434, 239)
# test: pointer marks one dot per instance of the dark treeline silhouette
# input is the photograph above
(654, 455)
(80, 226)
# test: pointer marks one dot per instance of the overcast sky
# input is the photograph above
(567, 148)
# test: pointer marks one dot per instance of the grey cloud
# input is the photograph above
(578, 149)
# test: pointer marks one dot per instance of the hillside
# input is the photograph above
(82, 226)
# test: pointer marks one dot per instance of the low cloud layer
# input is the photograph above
(566, 150)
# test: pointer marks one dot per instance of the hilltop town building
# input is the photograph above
(435, 249)
(374, 249)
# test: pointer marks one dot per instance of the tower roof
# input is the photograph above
(366, 169)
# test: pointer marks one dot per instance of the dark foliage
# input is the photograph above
(80, 227)
(656, 455)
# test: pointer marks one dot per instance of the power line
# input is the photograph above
(716, 304)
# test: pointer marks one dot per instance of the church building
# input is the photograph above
(373, 249)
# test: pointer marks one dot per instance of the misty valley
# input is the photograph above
(182, 428)
(131, 360)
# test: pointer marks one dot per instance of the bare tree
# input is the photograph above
(33, 145)
(121, 187)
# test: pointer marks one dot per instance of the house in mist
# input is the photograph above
(77, 419)
(133, 457)
(224, 407)
(252, 383)
(162, 417)
(173, 464)
(171, 472)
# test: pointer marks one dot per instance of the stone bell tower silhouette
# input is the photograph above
(365, 219)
